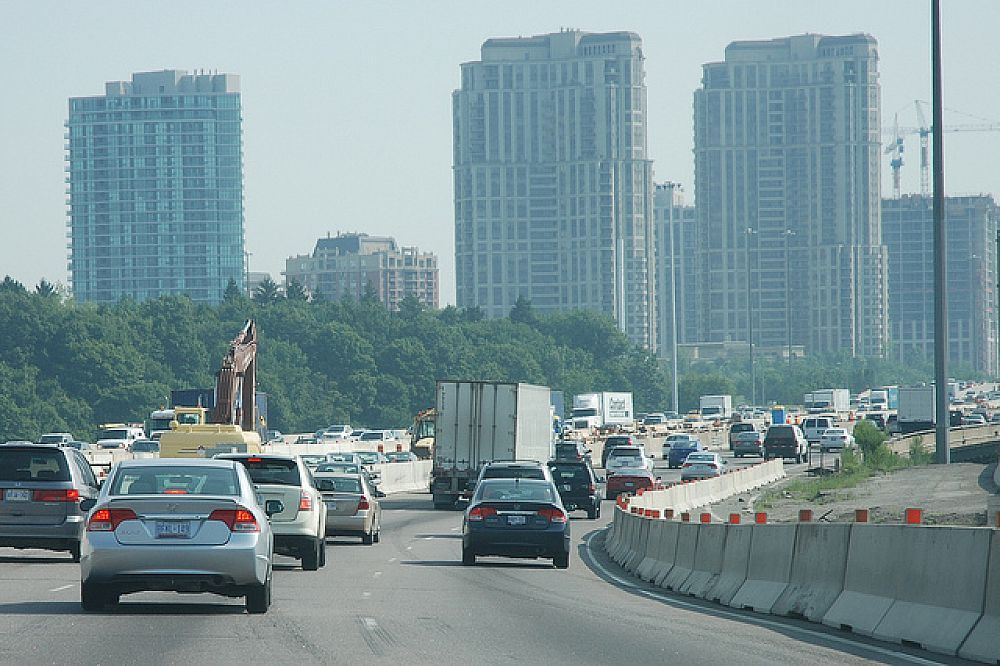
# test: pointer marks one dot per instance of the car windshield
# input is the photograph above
(337, 484)
(33, 465)
(344, 468)
(175, 480)
(272, 471)
(513, 491)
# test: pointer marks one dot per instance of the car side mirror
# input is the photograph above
(272, 507)
(87, 504)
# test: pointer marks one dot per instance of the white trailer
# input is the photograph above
(479, 422)
(716, 407)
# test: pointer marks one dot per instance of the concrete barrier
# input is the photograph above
(638, 550)
(983, 644)
(819, 564)
(771, 548)
(735, 559)
(649, 561)
(707, 560)
(932, 593)
(665, 551)
(684, 556)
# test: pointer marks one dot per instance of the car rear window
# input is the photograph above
(574, 472)
(270, 471)
(339, 485)
(514, 473)
(33, 465)
(683, 444)
(175, 480)
(513, 491)
(617, 441)
(701, 457)
(344, 468)
(782, 432)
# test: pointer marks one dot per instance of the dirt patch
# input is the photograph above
(953, 495)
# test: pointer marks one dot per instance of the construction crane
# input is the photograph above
(896, 146)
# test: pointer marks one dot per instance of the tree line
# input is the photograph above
(67, 366)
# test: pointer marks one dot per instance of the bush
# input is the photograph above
(869, 438)
(919, 455)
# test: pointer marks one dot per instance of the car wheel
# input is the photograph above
(92, 598)
(310, 558)
(322, 552)
(798, 458)
(378, 534)
(561, 561)
(468, 557)
(74, 551)
(592, 512)
(259, 598)
(368, 538)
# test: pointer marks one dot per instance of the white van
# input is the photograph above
(814, 427)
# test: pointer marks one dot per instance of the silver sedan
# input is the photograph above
(352, 506)
(181, 525)
(702, 465)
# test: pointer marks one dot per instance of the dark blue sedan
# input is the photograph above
(680, 449)
(516, 518)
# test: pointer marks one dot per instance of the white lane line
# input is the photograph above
(60, 589)
(392, 559)
(365, 595)
(455, 529)
(370, 623)
(750, 618)
(376, 574)
(409, 548)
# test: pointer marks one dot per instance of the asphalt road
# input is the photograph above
(408, 600)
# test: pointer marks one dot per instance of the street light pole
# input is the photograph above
(753, 367)
(673, 294)
(788, 299)
(943, 455)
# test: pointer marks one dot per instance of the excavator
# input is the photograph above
(231, 426)
(422, 434)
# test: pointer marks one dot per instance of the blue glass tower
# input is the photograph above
(156, 188)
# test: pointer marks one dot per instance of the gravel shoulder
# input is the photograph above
(952, 495)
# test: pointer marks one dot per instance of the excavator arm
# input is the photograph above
(236, 381)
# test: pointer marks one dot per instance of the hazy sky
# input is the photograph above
(347, 105)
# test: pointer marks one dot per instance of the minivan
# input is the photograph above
(814, 427)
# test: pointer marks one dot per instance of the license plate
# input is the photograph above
(516, 520)
(567, 486)
(17, 495)
(173, 529)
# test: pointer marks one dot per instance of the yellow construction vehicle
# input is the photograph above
(232, 424)
(422, 434)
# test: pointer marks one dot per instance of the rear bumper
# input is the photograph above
(227, 569)
(355, 525)
(48, 537)
(575, 502)
(517, 543)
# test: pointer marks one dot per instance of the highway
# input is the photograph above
(409, 600)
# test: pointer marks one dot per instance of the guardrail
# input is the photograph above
(958, 438)
(894, 582)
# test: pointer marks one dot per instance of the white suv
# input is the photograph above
(300, 528)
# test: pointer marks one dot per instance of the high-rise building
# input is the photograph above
(553, 185)
(348, 266)
(971, 236)
(787, 175)
(156, 188)
(676, 256)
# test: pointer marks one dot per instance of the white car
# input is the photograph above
(627, 457)
(702, 465)
(834, 439)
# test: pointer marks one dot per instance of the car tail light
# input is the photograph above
(305, 502)
(239, 519)
(554, 515)
(686, 464)
(175, 491)
(363, 504)
(713, 465)
(482, 512)
(107, 520)
(64, 495)
(254, 460)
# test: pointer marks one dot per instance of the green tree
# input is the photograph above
(11, 285)
(233, 293)
(267, 292)
(523, 312)
(296, 292)
(45, 289)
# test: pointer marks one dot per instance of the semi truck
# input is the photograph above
(916, 409)
(593, 411)
(837, 401)
(477, 422)
(716, 407)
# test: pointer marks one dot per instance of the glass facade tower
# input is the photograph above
(156, 188)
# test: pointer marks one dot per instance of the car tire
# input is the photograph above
(561, 561)
(368, 538)
(468, 557)
(258, 600)
(310, 558)
(322, 552)
(74, 551)
(378, 534)
(92, 599)
(798, 458)
(592, 512)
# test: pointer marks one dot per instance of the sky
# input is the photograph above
(347, 105)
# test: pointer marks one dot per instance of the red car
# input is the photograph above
(630, 481)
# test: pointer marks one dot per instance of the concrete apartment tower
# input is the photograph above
(787, 177)
(553, 185)
(156, 188)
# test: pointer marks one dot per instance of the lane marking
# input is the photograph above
(60, 589)
(370, 623)
(455, 529)
(365, 595)
(392, 559)
(376, 574)
(748, 618)
(409, 548)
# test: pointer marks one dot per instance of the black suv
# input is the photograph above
(41, 487)
(577, 486)
(571, 449)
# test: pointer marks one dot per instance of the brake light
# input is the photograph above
(239, 519)
(107, 520)
(482, 512)
(686, 464)
(363, 504)
(65, 495)
(175, 491)
(554, 515)
(254, 460)
(305, 502)
(713, 465)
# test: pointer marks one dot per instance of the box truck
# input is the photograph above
(716, 407)
(602, 410)
(479, 422)
(916, 409)
(836, 401)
